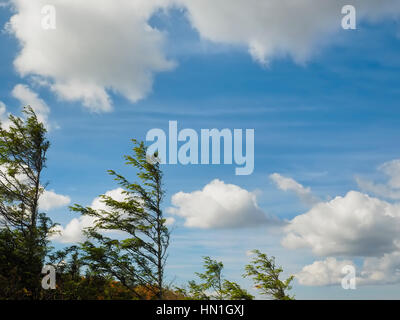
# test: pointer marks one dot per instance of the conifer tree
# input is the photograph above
(138, 259)
(24, 229)
(213, 285)
(265, 274)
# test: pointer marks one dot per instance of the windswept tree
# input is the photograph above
(213, 285)
(138, 258)
(23, 228)
(265, 274)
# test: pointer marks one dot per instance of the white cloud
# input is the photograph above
(28, 97)
(276, 27)
(392, 169)
(389, 190)
(353, 225)
(289, 184)
(323, 273)
(98, 46)
(219, 205)
(51, 200)
(73, 231)
(374, 271)
(384, 270)
(378, 189)
(5, 122)
(48, 200)
(169, 221)
(116, 194)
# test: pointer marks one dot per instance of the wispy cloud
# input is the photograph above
(388, 190)
(289, 184)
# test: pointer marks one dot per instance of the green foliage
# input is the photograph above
(138, 260)
(214, 286)
(73, 284)
(24, 230)
(232, 291)
(266, 274)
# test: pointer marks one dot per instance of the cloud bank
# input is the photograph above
(355, 225)
(375, 271)
(102, 46)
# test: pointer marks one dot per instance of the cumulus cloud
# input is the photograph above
(353, 225)
(219, 205)
(389, 190)
(51, 200)
(323, 273)
(73, 231)
(278, 27)
(289, 184)
(374, 271)
(98, 46)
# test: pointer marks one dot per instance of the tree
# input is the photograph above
(137, 261)
(24, 230)
(214, 286)
(266, 274)
(67, 262)
(72, 284)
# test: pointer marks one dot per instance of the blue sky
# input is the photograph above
(321, 122)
